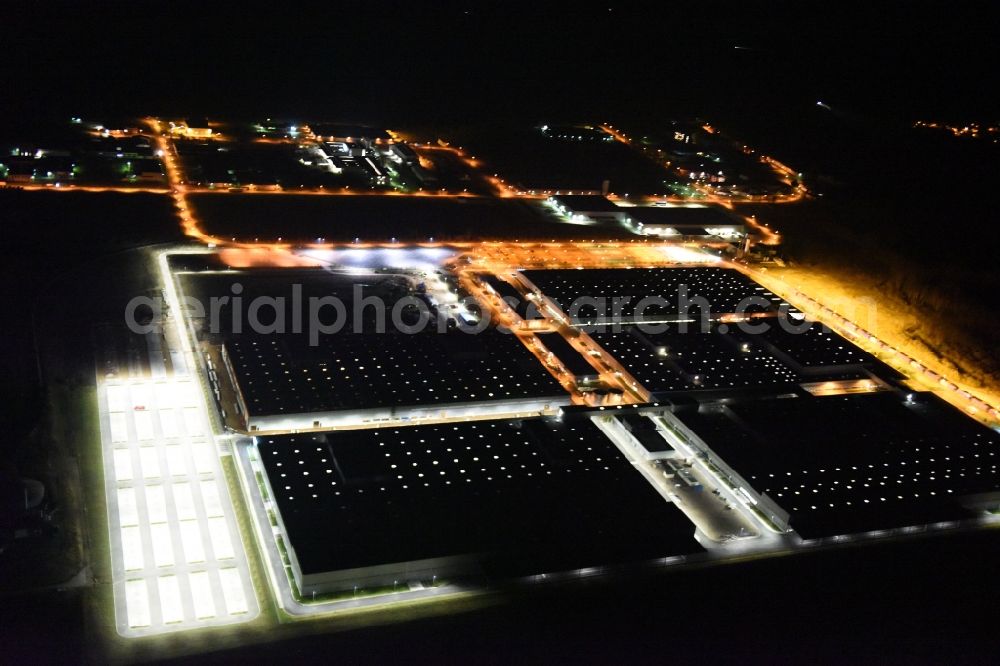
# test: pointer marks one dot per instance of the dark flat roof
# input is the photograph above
(529, 497)
(289, 285)
(727, 357)
(709, 216)
(284, 375)
(722, 288)
(523, 307)
(375, 217)
(644, 430)
(358, 367)
(854, 463)
(589, 203)
(405, 149)
(677, 362)
(503, 288)
(811, 345)
(566, 354)
(781, 349)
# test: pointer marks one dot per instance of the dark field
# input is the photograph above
(524, 157)
(69, 264)
(906, 213)
(453, 174)
(380, 218)
(63, 225)
(908, 601)
(53, 235)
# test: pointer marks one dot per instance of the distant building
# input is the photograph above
(425, 176)
(576, 133)
(363, 508)
(318, 392)
(148, 169)
(196, 128)
(348, 133)
(133, 147)
(592, 206)
(404, 153)
(687, 221)
(694, 221)
(279, 129)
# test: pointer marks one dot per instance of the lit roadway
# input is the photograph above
(175, 175)
(70, 187)
(722, 518)
(785, 173)
(496, 255)
(725, 524)
(504, 257)
(178, 186)
(909, 366)
(501, 188)
(160, 587)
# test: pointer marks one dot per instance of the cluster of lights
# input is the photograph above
(724, 289)
(328, 467)
(384, 370)
(972, 130)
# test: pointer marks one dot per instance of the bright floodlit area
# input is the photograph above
(484, 332)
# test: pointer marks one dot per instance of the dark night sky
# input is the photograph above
(448, 61)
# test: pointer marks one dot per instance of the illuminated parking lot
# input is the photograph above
(177, 558)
